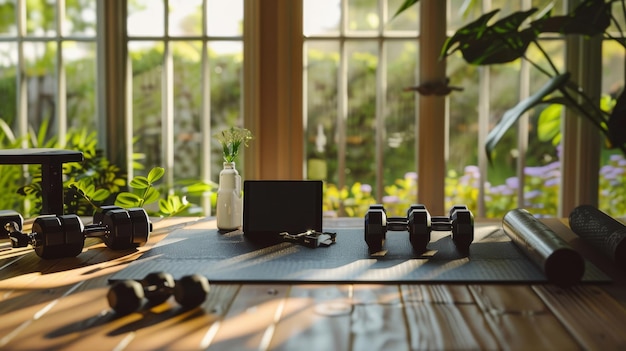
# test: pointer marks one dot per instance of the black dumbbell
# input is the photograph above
(127, 296)
(64, 236)
(120, 228)
(417, 223)
(52, 236)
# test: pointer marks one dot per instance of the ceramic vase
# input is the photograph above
(229, 210)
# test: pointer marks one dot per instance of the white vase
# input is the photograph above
(229, 210)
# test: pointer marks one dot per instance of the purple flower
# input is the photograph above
(410, 175)
(390, 199)
(366, 188)
(534, 171)
(472, 170)
(512, 182)
(551, 182)
(532, 194)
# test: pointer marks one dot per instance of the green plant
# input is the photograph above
(505, 40)
(231, 140)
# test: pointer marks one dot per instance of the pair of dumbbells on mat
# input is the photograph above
(127, 296)
(57, 236)
(419, 223)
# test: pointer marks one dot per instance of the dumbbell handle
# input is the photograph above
(18, 239)
(96, 230)
(440, 223)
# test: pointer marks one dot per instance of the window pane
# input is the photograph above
(80, 18)
(407, 20)
(185, 17)
(147, 69)
(187, 109)
(362, 15)
(41, 18)
(362, 59)
(225, 18)
(399, 144)
(8, 70)
(225, 67)
(41, 80)
(7, 18)
(80, 70)
(145, 18)
(321, 16)
(321, 109)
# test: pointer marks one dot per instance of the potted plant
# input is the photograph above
(229, 211)
(505, 40)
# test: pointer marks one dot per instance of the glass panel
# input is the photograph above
(407, 20)
(147, 58)
(41, 79)
(612, 192)
(185, 17)
(187, 109)
(80, 18)
(322, 62)
(362, 15)
(399, 145)
(225, 18)
(321, 16)
(362, 59)
(145, 18)
(462, 173)
(225, 67)
(8, 25)
(41, 18)
(80, 71)
(8, 92)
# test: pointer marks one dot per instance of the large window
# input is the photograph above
(175, 73)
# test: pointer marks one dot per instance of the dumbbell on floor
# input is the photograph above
(127, 296)
(419, 223)
(64, 236)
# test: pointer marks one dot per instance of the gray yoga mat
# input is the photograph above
(232, 258)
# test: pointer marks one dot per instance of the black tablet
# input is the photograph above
(271, 207)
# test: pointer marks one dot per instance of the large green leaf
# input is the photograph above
(501, 42)
(591, 17)
(616, 124)
(511, 116)
(549, 124)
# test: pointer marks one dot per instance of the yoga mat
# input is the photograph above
(231, 258)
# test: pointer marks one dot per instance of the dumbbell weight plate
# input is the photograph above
(419, 229)
(462, 228)
(375, 229)
(101, 211)
(8, 216)
(120, 229)
(141, 226)
(53, 240)
(190, 291)
(125, 296)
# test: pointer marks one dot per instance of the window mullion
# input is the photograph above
(61, 99)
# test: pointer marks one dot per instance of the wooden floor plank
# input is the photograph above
(445, 317)
(249, 320)
(590, 315)
(378, 319)
(520, 320)
(312, 311)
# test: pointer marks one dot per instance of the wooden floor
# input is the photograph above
(61, 304)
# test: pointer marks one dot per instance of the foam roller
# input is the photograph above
(561, 264)
(601, 231)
